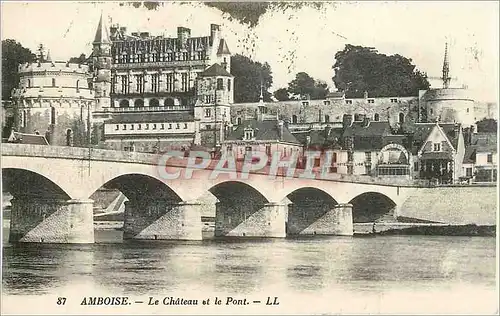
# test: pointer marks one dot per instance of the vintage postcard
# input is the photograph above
(257, 158)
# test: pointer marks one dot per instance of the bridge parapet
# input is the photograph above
(64, 152)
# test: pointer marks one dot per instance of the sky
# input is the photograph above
(292, 40)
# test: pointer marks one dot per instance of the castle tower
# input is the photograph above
(101, 58)
(214, 92)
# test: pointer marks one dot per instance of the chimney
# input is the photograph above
(183, 33)
(280, 129)
(456, 129)
(346, 120)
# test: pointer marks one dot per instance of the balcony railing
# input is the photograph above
(148, 109)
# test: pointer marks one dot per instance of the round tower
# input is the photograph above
(53, 99)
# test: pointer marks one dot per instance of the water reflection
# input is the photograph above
(302, 265)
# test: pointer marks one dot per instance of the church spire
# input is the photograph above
(102, 33)
(446, 68)
(48, 58)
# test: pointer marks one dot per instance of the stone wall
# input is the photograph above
(452, 205)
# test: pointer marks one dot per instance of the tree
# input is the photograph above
(306, 86)
(78, 60)
(248, 77)
(281, 94)
(13, 55)
(359, 69)
(487, 125)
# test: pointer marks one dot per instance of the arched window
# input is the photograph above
(169, 102)
(376, 117)
(294, 119)
(53, 82)
(327, 118)
(69, 137)
(124, 104)
(401, 118)
(29, 83)
(154, 103)
(52, 115)
(228, 84)
(78, 86)
(139, 103)
(239, 120)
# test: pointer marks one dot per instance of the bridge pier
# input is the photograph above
(162, 219)
(320, 219)
(250, 220)
(51, 220)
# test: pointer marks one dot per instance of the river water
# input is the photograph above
(383, 274)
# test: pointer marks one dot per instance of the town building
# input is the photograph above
(161, 92)
(480, 162)
(54, 99)
(269, 136)
(438, 150)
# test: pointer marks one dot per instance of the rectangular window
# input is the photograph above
(220, 84)
(371, 101)
(154, 126)
(124, 84)
(468, 172)
(228, 84)
(184, 81)
(169, 126)
(170, 82)
(162, 126)
(368, 156)
(348, 101)
(208, 112)
(437, 147)
(117, 127)
(349, 170)
(185, 126)
(326, 102)
(138, 83)
(132, 127)
(124, 127)
(489, 158)
(305, 103)
(208, 127)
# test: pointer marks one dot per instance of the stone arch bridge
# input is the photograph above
(52, 190)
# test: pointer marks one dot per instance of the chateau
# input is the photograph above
(149, 93)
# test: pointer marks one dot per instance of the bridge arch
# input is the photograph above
(139, 187)
(234, 191)
(23, 182)
(372, 207)
(310, 195)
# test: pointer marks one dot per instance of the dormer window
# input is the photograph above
(437, 147)
(371, 100)
(348, 101)
(249, 133)
(305, 102)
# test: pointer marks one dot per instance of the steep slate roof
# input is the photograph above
(320, 139)
(470, 154)
(263, 130)
(101, 35)
(215, 70)
(223, 49)
(372, 129)
(485, 142)
(151, 117)
(29, 139)
(421, 131)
